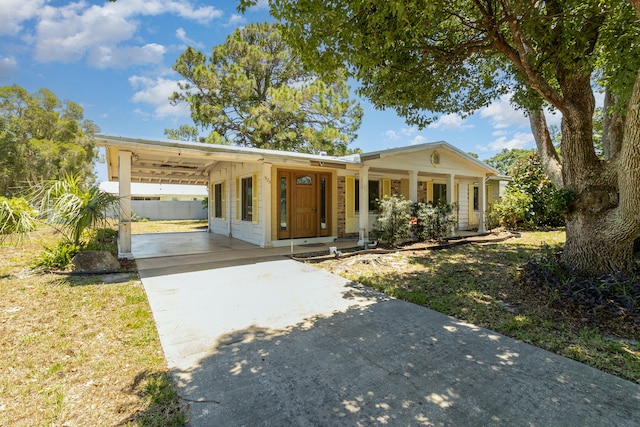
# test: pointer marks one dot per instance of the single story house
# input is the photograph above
(271, 198)
(162, 201)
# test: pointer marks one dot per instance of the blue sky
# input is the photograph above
(115, 60)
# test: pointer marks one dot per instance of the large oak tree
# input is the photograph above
(253, 91)
(442, 56)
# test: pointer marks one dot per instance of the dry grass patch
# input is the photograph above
(78, 351)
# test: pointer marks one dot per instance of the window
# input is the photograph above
(476, 204)
(439, 193)
(218, 197)
(374, 194)
(247, 198)
(283, 203)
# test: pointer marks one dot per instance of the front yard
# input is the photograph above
(78, 351)
(477, 283)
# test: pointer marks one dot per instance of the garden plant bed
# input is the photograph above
(477, 283)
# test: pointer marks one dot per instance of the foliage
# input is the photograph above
(58, 256)
(253, 91)
(595, 295)
(512, 209)
(42, 138)
(433, 222)
(16, 217)
(183, 133)
(531, 199)
(507, 160)
(101, 239)
(393, 221)
(438, 57)
(69, 207)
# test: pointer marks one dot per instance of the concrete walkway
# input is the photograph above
(280, 343)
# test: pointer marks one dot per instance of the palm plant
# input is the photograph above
(69, 208)
(17, 217)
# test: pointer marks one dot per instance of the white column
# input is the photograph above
(413, 186)
(482, 203)
(363, 178)
(124, 221)
(230, 198)
(450, 195)
(210, 196)
(265, 188)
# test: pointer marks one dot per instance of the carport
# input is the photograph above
(162, 162)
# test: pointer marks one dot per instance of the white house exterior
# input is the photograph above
(271, 198)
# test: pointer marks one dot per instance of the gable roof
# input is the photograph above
(429, 146)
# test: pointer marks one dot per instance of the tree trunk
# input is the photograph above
(589, 247)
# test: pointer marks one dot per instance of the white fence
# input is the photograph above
(166, 209)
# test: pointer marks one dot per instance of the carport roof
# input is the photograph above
(180, 162)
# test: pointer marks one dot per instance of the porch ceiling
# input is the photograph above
(160, 167)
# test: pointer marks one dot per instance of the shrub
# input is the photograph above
(433, 222)
(596, 296)
(70, 208)
(16, 217)
(102, 239)
(393, 221)
(58, 256)
(512, 209)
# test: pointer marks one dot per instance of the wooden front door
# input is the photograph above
(304, 205)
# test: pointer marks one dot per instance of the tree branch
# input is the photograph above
(546, 150)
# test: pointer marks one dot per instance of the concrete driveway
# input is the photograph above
(280, 343)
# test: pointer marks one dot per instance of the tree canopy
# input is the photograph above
(507, 159)
(442, 56)
(42, 138)
(253, 91)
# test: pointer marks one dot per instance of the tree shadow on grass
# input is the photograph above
(162, 406)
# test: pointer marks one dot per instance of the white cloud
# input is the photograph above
(15, 12)
(518, 140)
(449, 122)
(502, 114)
(391, 134)
(105, 57)
(77, 30)
(8, 67)
(181, 35)
(419, 139)
(156, 92)
(409, 131)
(236, 20)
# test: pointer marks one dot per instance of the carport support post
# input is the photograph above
(364, 205)
(124, 222)
(265, 191)
(482, 197)
(450, 196)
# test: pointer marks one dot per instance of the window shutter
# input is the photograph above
(224, 199)
(386, 188)
(238, 197)
(404, 189)
(430, 192)
(488, 195)
(254, 196)
(349, 197)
